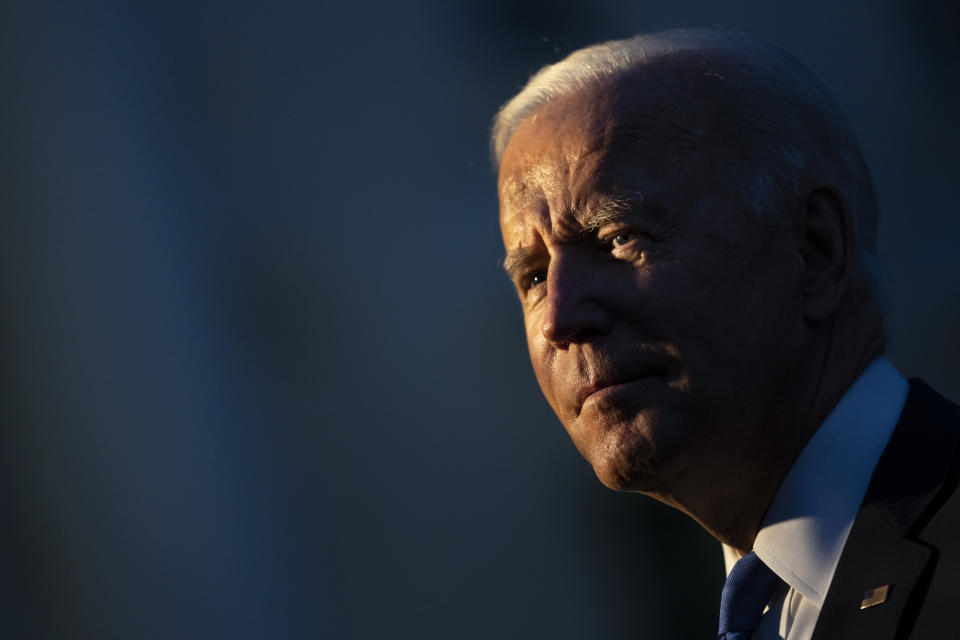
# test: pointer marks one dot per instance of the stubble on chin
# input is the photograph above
(624, 458)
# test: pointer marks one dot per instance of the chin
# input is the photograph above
(626, 463)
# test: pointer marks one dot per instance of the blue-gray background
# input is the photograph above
(261, 375)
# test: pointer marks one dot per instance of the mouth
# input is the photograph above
(598, 388)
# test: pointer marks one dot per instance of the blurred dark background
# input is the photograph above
(261, 373)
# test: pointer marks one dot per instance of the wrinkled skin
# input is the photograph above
(664, 323)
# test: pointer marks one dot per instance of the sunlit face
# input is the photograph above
(663, 322)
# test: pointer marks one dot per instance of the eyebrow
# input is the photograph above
(606, 210)
(516, 260)
(611, 209)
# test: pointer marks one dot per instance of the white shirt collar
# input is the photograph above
(810, 517)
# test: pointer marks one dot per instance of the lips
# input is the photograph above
(590, 389)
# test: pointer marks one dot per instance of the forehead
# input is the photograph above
(654, 126)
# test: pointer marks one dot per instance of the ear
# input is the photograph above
(827, 252)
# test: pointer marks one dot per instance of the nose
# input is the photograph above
(574, 311)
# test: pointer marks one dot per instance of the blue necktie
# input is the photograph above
(745, 594)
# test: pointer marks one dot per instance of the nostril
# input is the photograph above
(554, 334)
(574, 324)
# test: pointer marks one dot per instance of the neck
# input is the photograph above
(731, 501)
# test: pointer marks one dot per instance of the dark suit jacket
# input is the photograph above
(906, 535)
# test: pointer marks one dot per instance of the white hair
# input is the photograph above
(789, 127)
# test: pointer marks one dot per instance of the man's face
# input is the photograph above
(663, 321)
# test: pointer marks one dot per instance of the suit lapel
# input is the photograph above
(875, 555)
(882, 548)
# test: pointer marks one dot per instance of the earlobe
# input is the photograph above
(827, 252)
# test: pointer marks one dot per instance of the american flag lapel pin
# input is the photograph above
(875, 596)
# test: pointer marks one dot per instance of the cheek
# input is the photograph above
(536, 348)
(542, 358)
(739, 331)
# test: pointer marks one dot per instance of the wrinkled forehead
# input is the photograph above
(663, 123)
(552, 139)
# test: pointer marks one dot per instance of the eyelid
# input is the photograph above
(607, 233)
(612, 225)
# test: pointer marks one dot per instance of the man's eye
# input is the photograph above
(535, 278)
(621, 239)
